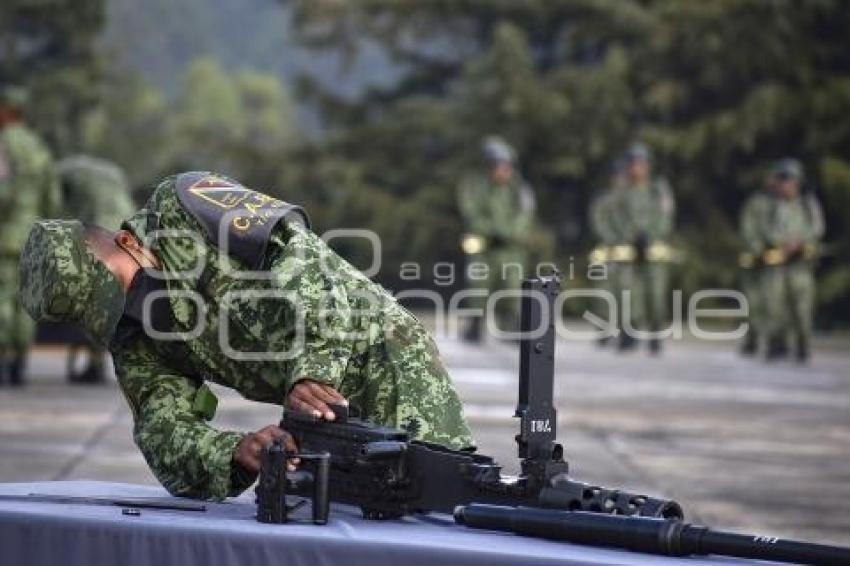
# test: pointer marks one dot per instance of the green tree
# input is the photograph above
(51, 48)
(131, 127)
(719, 89)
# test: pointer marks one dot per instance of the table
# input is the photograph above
(227, 535)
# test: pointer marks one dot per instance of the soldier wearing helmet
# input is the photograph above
(28, 189)
(497, 207)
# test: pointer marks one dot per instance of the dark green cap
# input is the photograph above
(62, 280)
(13, 95)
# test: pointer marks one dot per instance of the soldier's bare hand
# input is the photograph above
(249, 451)
(793, 247)
(312, 397)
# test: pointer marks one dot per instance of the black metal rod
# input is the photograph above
(644, 534)
(166, 503)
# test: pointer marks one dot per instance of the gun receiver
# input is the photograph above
(387, 474)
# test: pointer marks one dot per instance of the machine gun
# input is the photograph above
(386, 474)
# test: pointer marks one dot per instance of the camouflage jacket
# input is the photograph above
(94, 191)
(505, 212)
(306, 313)
(28, 187)
(752, 220)
(601, 215)
(768, 221)
(648, 211)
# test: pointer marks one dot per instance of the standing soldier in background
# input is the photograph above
(787, 230)
(644, 214)
(94, 191)
(28, 189)
(750, 261)
(497, 208)
(606, 234)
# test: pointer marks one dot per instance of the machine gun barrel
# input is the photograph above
(669, 537)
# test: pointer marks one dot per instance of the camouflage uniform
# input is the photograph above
(28, 189)
(606, 234)
(786, 284)
(94, 191)
(502, 215)
(644, 215)
(390, 369)
(751, 270)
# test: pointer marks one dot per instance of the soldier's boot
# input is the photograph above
(655, 346)
(627, 342)
(473, 331)
(751, 344)
(777, 349)
(802, 353)
(4, 372)
(16, 372)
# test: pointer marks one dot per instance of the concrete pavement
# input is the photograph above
(742, 445)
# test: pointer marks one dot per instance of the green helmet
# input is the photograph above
(638, 151)
(496, 150)
(788, 167)
(13, 95)
(62, 280)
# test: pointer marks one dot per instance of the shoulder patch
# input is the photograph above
(234, 216)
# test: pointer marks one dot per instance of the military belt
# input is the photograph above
(772, 257)
(656, 252)
(472, 244)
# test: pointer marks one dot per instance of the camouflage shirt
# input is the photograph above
(95, 191)
(504, 212)
(648, 210)
(601, 217)
(28, 187)
(768, 221)
(307, 314)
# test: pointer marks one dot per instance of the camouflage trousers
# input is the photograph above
(16, 327)
(646, 288)
(751, 286)
(399, 380)
(789, 299)
(610, 286)
(505, 270)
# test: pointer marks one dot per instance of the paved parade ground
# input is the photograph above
(741, 445)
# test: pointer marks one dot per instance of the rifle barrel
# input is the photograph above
(167, 503)
(644, 534)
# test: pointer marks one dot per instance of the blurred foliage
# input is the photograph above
(49, 47)
(718, 89)
(239, 123)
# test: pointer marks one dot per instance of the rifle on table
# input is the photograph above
(387, 475)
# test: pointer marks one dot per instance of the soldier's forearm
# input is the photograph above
(188, 457)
